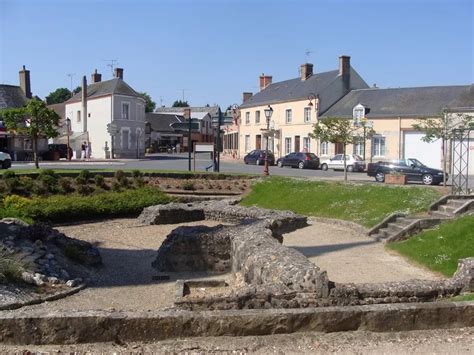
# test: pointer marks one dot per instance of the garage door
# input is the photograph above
(429, 154)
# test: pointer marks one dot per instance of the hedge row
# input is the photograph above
(71, 208)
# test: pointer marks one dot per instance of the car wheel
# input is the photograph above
(350, 168)
(324, 167)
(280, 164)
(427, 179)
(301, 165)
(379, 176)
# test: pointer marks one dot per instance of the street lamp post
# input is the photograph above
(68, 129)
(268, 114)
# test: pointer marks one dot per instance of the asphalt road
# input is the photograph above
(180, 162)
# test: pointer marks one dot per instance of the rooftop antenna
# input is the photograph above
(308, 54)
(70, 75)
(112, 64)
(183, 90)
(161, 101)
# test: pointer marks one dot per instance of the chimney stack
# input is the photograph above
(265, 80)
(306, 71)
(84, 104)
(345, 70)
(118, 73)
(96, 77)
(246, 96)
(25, 83)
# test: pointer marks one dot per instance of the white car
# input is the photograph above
(353, 163)
(5, 160)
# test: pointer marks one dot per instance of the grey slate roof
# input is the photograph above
(212, 110)
(12, 96)
(404, 102)
(108, 87)
(328, 85)
(160, 122)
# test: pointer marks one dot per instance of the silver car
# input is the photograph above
(353, 163)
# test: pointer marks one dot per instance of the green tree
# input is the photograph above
(58, 96)
(150, 104)
(337, 130)
(441, 127)
(34, 120)
(179, 103)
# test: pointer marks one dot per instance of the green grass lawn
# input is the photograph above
(461, 298)
(366, 204)
(440, 249)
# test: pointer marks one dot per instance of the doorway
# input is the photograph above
(258, 141)
(297, 143)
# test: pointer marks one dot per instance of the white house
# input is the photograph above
(107, 102)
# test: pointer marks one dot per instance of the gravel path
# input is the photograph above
(125, 281)
(350, 256)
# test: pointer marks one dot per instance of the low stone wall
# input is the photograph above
(102, 326)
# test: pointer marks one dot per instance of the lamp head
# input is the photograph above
(268, 112)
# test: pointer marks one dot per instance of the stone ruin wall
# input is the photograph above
(274, 276)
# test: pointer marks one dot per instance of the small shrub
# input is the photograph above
(116, 186)
(40, 189)
(47, 172)
(84, 190)
(119, 175)
(124, 182)
(65, 185)
(188, 186)
(49, 182)
(10, 268)
(138, 181)
(99, 180)
(27, 184)
(137, 173)
(80, 180)
(16, 202)
(85, 174)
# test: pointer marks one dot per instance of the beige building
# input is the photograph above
(393, 113)
(297, 104)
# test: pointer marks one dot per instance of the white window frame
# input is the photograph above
(307, 144)
(247, 143)
(247, 117)
(307, 117)
(257, 117)
(288, 115)
(128, 110)
(379, 146)
(288, 146)
(358, 146)
(324, 148)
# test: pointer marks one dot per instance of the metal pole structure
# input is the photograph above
(364, 142)
(68, 128)
(187, 114)
(268, 114)
(219, 122)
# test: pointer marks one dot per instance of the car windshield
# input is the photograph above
(357, 157)
(311, 155)
(416, 162)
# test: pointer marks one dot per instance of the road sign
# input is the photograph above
(184, 126)
(225, 121)
(113, 129)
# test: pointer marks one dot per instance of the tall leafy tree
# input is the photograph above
(58, 96)
(179, 103)
(150, 104)
(34, 120)
(337, 130)
(441, 127)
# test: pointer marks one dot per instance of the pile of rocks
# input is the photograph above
(49, 257)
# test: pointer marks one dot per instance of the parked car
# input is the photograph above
(299, 160)
(5, 160)
(353, 163)
(411, 167)
(56, 152)
(257, 157)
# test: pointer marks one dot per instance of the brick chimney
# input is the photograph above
(246, 96)
(96, 77)
(345, 70)
(265, 80)
(118, 73)
(306, 71)
(25, 83)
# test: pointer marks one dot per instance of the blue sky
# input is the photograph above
(215, 49)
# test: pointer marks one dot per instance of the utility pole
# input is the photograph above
(70, 75)
(187, 115)
(217, 153)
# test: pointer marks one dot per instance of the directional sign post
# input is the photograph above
(184, 126)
